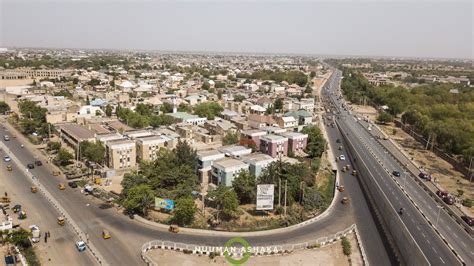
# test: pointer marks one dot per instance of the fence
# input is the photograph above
(58, 207)
(255, 251)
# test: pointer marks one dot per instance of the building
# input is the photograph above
(73, 134)
(259, 121)
(205, 161)
(104, 138)
(148, 147)
(273, 130)
(303, 117)
(287, 122)
(257, 162)
(225, 170)
(189, 118)
(121, 154)
(235, 150)
(274, 145)
(252, 135)
(296, 141)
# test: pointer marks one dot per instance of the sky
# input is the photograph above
(409, 28)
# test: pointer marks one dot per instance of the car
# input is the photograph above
(342, 157)
(468, 220)
(61, 186)
(34, 189)
(442, 194)
(345, 200)
(38, 163)
(81, 246)
(426, 176)
(7, 158)
(30, 166)
(396, 173)
(338, 140)
(6, 138)
(106, 234)
(9, 167)
(448, 200)
(72, 184)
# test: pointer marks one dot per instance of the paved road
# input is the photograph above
(60, 249)
(369, 151)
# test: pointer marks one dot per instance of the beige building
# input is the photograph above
(148, 147)
(121, 154)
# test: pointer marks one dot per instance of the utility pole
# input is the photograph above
(286, 182)
(428, 142)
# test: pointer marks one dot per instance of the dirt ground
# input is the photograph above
(447, 178)
(366, 110)
(328, 255)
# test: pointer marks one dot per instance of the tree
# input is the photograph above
(64, 157)
(92, 151)
(108, 110)
(384, 117)
(245, 187)
(4, 107)
(184, 211)
(20, 238)
(185, 155)
(208, 109)
(239, 98)
(205, 86)
(230, 138)
(166, 108)
(161, 120)
(227, 201)
(139, 198)
(278, 105)
(182, 107)
(54, 145)
(316, 143)
(312, 74)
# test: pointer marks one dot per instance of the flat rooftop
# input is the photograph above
(229, 163)
(272, 137)
(183, 116)
(77, 131)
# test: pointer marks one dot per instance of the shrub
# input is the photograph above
(346, 246)
(468, 203)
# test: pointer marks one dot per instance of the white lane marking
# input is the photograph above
(456, 236)
(463, 244)
(412, 220)
(423, 235)
(442, 260)
(429, 207)
(417, 227)
(427, 241)
(434, 250)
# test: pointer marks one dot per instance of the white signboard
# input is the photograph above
(265, 195)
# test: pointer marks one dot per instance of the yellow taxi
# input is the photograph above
(61, 186)
(106, 234)
(34, 189)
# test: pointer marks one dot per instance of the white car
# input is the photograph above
(342, 157)
(7, 158)
(81, 246)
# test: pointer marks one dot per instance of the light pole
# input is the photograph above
(437, 217)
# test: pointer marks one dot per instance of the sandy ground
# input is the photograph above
(328, 255)
(365, 111)
(15, 82)
(447, 178)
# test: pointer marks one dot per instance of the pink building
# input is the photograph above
(274, 145)
(252, 134)
(296, 141)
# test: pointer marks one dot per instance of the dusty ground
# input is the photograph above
(15, 82)
(447, 178)
(328, 255)
(365, 111)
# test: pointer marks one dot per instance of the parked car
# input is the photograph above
(342, 157)
(61, 186)
(425, 176)
(7, 158)
(30, 166)
(448, 200)
(38, 163)
(6, 138)
(81, 246)
(442, 194)
(396, 173)
(72, 184)
(468, 220)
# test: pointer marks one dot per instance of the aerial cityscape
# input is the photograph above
(236, 132)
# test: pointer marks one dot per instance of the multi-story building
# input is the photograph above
(296, 141)
(274, 145)
(225, 170)
(121, 154)
(73, 134)
(147, 147)
(235, 150)
(189, 118)
(252, 135)
(205, 161)
(287, 122)
(257, 162)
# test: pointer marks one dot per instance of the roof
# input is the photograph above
(77, 131)
(256, 158)
(299, 113)
(183, 116)
(272, 138)
(121, 143)
(292, 135)
(288, 119)
(151, 139)
(258, 108)
(98, 102)
(235, 150)
(261, 118)
(209, 154)
(229, 164)
(99, 129)
(253, 132)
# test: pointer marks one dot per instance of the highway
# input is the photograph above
(380, 164)
(129, 235)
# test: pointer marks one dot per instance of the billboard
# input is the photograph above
(164, 204)
(265, 195)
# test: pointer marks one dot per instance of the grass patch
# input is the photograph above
(346, 246)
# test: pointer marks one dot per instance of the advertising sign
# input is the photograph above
(164, 204)
(265, 195)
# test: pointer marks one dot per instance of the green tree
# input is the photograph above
(208, 109)
(64, 157)
(182, 107)
(185, 155)
(184, 211)
(316, 143)
(227, 201)
(205, 86)
(4, 107)
(161, 120)
(245, 186)
(139, 198)
(384, 117)
(108, 110)
(20, 238)
(54, 145)
(230, 138)
(166, 108)
(278, 105)
(239, 98)
(312, 74)
(92, 151)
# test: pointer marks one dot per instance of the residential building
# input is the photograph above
(287, 122)
(252, 135)
(273, 130)
(205, 161)
(189, 118)
(73, 134)
(225, 170)
(121, 154)
(296, 141)
(104, 138)
(257, 162)
(274, 145)
(147, 147)
(259, 121)
(235, 150)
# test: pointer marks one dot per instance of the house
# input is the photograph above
(273, 130)
(73, 134)
(287, 122)
(195, 99)
(121, 154)
(188, 118)
(257, 109)
(225, 170)
(257, 162)
(236, 151)
(148, 147)
(274, 145)
(104, 138)
(205, 161)
(296, 141)
(303, 117)
(259, 121)
(252, 136)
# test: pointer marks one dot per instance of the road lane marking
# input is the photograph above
(423, 235)
(417, 227)
(434, 250)
(442, 260)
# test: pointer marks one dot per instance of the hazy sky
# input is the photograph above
(386, 28)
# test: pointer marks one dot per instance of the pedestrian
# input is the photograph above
(49, 234)
(6, 194)
(45, 238)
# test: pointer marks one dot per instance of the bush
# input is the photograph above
(212, 255)
(346, 246)
(468, 203)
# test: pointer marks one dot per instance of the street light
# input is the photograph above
(437, 217)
